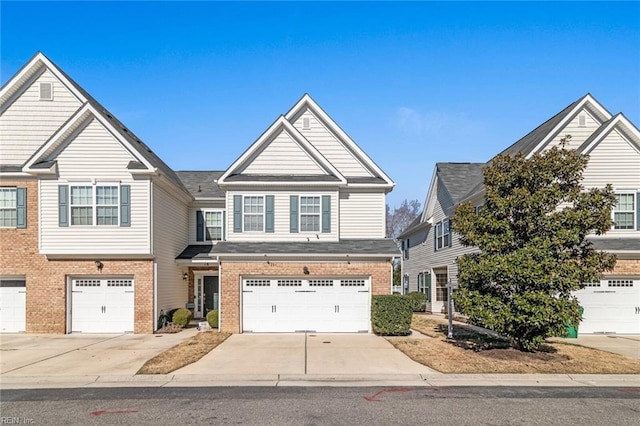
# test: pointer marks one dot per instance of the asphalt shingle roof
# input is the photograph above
(460, 178)
(385, 247)
(202, 184)
(617, 244)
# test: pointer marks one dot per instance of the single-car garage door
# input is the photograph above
(13, 301)
(611, 306)
(102, 305)
(293, 304)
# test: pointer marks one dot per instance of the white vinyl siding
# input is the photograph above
(170, 237)
(281, 202)
(362, 215)
(95, 156)
(28, 122)
(613, 161)
(579, 133)
(281, 156)
(330, 146)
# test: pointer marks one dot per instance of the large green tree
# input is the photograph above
(533, 251)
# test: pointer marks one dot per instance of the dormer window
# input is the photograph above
(46, 91)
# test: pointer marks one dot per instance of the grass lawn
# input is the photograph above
(184, 353)
(473, 352)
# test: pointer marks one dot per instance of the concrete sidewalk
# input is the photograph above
(622, 344)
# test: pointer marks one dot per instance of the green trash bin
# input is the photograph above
(572, 332)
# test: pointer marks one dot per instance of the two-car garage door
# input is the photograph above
(318, 304)
(102, 305)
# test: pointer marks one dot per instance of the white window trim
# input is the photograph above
(440, 235)
(264, 213)
(319, 197)
(634, 226)
(204, 224)
(94, 203)
(15, 206)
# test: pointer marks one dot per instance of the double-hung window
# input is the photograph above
(81, 205)
(624, 212)
(253, 216)
(442, 235)
(309, 214)
(8, 208)
(88, 206)
(213, 226)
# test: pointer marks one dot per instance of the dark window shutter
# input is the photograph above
(638, 211)
(293, 214)
(199, 226)
(427, 285)
(268, 227)
(237, 213)
(326, 213)
(63, 205)
(125, 205)
(21, 205)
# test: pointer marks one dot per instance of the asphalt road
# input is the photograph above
(323, 406)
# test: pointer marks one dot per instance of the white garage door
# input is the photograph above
(319, 305)
(102, 305)
(13, 302)
(611, 306)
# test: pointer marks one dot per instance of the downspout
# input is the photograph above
(154, 323)
(221, 292)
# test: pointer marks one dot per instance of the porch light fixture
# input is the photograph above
(99, 265)
(305, 270)
(185, 276)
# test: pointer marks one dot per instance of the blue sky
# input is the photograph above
(412, 83)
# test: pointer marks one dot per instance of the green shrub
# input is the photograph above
(212, 319)
(391, 315)
(181, 317)
(418, 301)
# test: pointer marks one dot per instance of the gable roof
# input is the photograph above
(38, 63)
(235, 172)
(539, 137)
(202, 184)
(459, 178)
(307, 102)
(620, 122)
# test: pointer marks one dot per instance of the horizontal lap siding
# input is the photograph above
(169, 239)
(330, 147)
(283, 156)
(281, 218)
(613, 161)
(362, 215)
(29, 122)
(95, 154)
(578, 133)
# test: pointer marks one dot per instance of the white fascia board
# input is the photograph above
(308, 101)
(281, 122)
(587, 101)
(229, 186)
(429, 200)
(619, 121)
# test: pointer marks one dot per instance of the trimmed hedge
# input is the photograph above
(391, 315)
(418, 301)
(212, 318)
(181, 317)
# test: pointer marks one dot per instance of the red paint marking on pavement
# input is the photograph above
(101, 412)
(630, 390)
(373, 397)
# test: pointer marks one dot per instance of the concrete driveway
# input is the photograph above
(623, 344)
(305, 354)
(81, 354)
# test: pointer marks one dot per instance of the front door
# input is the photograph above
(207, 294)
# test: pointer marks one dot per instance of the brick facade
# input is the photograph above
(46, 280)
(231, 272)
(626, 267)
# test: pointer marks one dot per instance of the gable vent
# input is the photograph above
(46, 91)
(582, 120)
(306, 123)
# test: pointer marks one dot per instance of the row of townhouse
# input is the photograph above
(98, 234)
(430, 248)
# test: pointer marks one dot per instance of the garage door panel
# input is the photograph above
(13, 301)
(610, 306)
(293, 305)
(102, 305)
